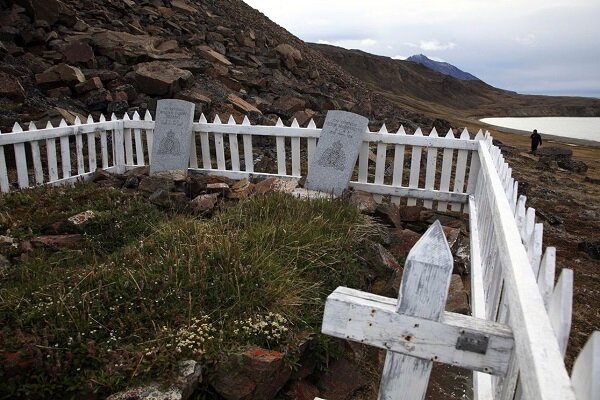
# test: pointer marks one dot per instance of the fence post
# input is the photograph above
(423, 294)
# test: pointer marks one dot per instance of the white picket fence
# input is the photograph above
(512, 284)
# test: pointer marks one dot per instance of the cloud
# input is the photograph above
(526, 40)
(434, 45)
(399, 57)
(368, 42)
(321, 41)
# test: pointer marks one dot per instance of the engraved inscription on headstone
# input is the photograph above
(172, 135)
(336, 152)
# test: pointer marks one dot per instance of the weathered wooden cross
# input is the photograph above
(415, 329)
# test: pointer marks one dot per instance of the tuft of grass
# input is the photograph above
(169, 288)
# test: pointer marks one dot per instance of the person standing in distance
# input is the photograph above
(536, 140)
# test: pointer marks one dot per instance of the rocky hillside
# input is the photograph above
(413, 86)
(62, 58)
(442, 67)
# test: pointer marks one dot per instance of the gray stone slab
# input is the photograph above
(336, 152)
(172, 135)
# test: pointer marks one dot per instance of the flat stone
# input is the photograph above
(82, 217)
(217, 187)
(204, 202)
(458, 300)
(79, 53)
(73, 241)
(94, 83)
(402, 240)
(242, 105)
(176, 175)
(172, 136)
(152, 184)
(211, 55)
(341, 380)
(336, 152)
(307, 194)
(364, 201)
(10, 87)
(60, 74)
(160, 78)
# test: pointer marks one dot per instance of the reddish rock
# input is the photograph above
(402, 240)
(60, 74)
(211, 55)
(458, 300)
(290, 104)
(59, 92)
(256, 374)
(204, 202)
(302, 390)
(303, 116)
(411, 213)
(341, 381)
(265, 186)
(89, 85)
(160, 78)
(79, 53)
(195, 95)
(364, 201)
(290, 55)
(452, 235)
(242, 105)
(151, 184)
(10, 87)
(73, 241)
(240, 189)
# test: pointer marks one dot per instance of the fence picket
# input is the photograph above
(474, 168)
(545, 278)
(448, 156)
(51, 156)
(295, 151)
(398, 165)
(79, 147)
(415, 168)
(139, 144)
(91, 144)
(233, 147)
(311, 143)
(36, 158)
(248, 151)
(280, 140)
(128, 142)
(118, 141)
(149, 136)
(561, 308)
(363, 162)
(586, 370)
(4, 183)
(20, 159)
(534, 250)
(430, 171)
(65, 152)
(380, 163)
(520, 215)
(205, 145)
(461, 167)
(220, 150)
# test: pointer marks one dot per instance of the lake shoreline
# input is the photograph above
(545, 137)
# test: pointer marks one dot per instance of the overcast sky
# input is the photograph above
(529, 46)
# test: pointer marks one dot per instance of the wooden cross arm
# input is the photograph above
(456, 339)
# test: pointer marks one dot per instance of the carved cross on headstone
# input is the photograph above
(415, 329)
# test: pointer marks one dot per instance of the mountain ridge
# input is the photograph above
(443, 67)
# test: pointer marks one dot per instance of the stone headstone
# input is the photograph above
(172, 135)
(336, 152)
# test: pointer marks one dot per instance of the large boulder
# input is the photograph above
(291, 56)
(126, 48)
(79, 53)
(554, 153)
(160, 78)
(60, 75)
(11, 88)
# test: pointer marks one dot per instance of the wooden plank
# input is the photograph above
(238, 174)
(248, 151)
(409, 192)
(139, 144)
(311, 144)
(586, 370)
(534, 250)
(280, 143)
(520, 216)
(446, 172)
(4, 183)
(36, 157)
(79, 147)
(104, 149)
(65, 153)
(541, 367)
(51, 156)
(205, 146)
(545, 278)
(91, 146)
(371, 319)
(51, 133)
(295, 142)
(219, 149)
(380, 164)
(118, 143)
(234, 150)
(461, 167)
(398, 165)
(20, 159)
(149, 135)
(430, 170)
(423, 293)
(561, 308)
(363, 162)
(482, 383)
(128, 142)
(474, 166)
(415, 168)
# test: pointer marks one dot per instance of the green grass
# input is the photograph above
(149, 289)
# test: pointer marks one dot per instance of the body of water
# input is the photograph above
(586, 128)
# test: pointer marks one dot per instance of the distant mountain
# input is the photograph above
(442, 67)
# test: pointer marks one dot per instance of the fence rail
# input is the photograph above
(512, 278)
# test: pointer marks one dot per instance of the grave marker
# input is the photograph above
(336, 152)
(172, 136)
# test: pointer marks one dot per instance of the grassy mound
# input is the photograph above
(150, 289)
